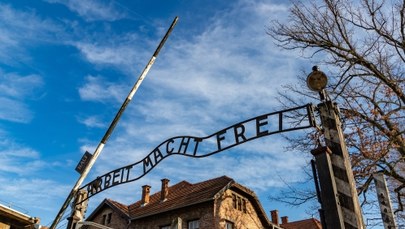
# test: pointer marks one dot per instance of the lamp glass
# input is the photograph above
(317, 81)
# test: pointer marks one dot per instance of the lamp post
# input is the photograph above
(338, 195)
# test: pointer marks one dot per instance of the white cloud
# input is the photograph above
(224, 75)
(96, 88)
(105, 55)
(16, 34)
(15, 90)
(93, 121)
(14, 111)
(14, 24)
(93, 10)
(40, 196)
(122, 52)
(200, 84)
(18, 159)
(228, 67)
(18, 86)
(25, 189)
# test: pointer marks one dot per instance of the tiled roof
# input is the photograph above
(120, 207)
(303, 224)
(117, 207)
(180, 195)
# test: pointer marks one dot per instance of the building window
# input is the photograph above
(194, 224)
(106, 219)
(239, 203)
(243, 205)
(234, 201)
(109, 218)
(228, 225)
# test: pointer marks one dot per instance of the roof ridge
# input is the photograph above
(303, 223)
(180, 195)
(309, 219)
(119, 206)
(183, 182)
(212, 179)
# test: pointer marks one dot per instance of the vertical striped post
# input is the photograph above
(384, 201)
(348, 202)
(331, 213)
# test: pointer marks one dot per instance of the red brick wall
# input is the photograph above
(203, 212)
(211, 215)
(244, 218)
(116, 220)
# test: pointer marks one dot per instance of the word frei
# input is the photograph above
(198, 147)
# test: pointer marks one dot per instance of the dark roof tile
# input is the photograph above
(180, 195)
(303, 224)
(121, 207)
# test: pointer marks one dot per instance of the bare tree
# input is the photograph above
(363, 44)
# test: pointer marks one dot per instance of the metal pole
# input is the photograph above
(384, 201)
(111, 127)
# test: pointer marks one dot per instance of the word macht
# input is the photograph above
(198, 147)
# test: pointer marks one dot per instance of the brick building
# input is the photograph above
(212, 204)
(13, 219)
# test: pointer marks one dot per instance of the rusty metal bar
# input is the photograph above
(111, 127)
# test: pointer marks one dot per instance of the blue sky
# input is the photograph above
(66, 66)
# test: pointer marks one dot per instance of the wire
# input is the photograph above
(63, 225)
(67, 215)
(14, 206)
(133, 12)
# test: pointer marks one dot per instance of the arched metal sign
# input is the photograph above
(197, 147)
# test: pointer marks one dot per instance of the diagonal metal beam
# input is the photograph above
(112, 126)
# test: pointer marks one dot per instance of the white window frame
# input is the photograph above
(229, 225)
(193, 224)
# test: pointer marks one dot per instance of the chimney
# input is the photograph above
(145, 194)
(284, 219)
(274, 216)
(165, 189)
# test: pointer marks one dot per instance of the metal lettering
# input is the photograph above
(116, 174)
(215, 143)
(158, 155)
(220, 138)
(95, 186)
(196, 140)
(128, 168)
(239, 134)
(146, 163)
(167, 146)
(185, 144)
(107, 179)
(122, 175)
(259, 124)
